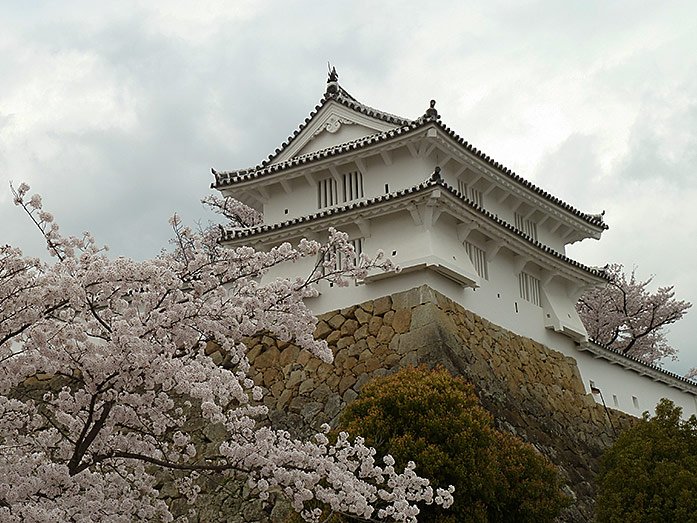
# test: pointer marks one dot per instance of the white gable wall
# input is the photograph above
(345, 133)
(332, 117)
(403, 172)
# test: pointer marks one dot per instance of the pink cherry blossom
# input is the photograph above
(121, 347)
(626, 316)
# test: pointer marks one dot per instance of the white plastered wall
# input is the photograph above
(496, 299)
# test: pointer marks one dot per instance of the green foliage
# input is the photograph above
(650, 473)
(435, 419)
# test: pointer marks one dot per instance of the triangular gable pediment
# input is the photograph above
(333, 125)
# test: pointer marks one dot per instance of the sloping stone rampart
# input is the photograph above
(532, 391)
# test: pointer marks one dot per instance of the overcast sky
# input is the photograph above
(116, 111)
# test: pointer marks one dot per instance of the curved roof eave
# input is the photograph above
(225, 179)
(229, 178)
(230, 235)
(641, 367)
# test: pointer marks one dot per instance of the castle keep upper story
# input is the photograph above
(448, 215)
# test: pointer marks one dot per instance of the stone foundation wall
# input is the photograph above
(532, 391)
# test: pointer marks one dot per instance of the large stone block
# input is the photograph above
(382, 305)
(333, 405)
(322, 330)
(345, 342)
(349, 327)
(385, 334)
(333, 337)
(368, 307)
(374, 325)
(267, 358)
(361, 332)
(401, 320)
(336, 321)
(387, 317)
(362, 316)
(348, 312)
(288, 355)
(347, 381)
(423, 336)
(413, 297)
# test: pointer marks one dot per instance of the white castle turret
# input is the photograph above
(452, 218)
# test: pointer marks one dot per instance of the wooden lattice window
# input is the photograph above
(352, 185)
(529, 288)
(327, 193)
(478, 258)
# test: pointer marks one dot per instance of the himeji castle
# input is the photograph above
(452, 218)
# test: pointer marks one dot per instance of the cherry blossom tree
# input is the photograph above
(626, 316)
(121, 345)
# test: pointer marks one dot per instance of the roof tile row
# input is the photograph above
(652, 366)
(227, 178)
(434, 181)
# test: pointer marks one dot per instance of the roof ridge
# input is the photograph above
(367, 137)
(344, 96)
(337, 93)
(595, 219)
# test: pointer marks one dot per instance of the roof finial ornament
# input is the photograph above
(332, 80)
(431, 112)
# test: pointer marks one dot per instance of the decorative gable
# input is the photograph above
(342, 136)
(334, 124)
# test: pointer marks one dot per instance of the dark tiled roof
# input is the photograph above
(224, 178)
(227, 178)
(595, 219)
(339, 95)
(432, 182)
(344, 98)
(642, 363)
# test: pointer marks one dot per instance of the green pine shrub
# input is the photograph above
(650, 473)
(436, 420)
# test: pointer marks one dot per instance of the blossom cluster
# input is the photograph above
(627, 316)
(103, 360)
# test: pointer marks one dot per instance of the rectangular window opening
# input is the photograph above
(352, 185)
(340, 259)
(529, 287)
(478, 258)
(462, 187)
(327, 194)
